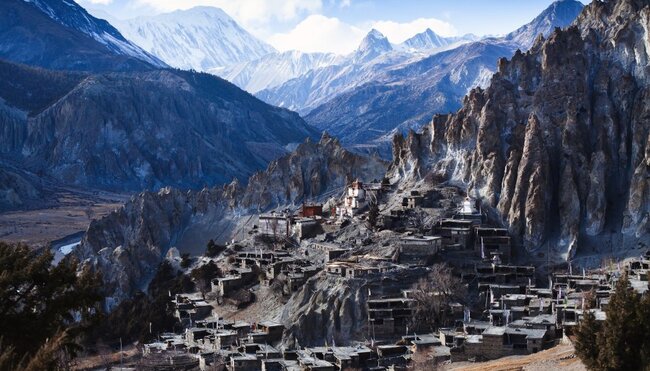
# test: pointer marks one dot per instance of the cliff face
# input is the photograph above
(128, 244)
(557, 145)
(333, 309)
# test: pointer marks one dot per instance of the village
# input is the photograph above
(373, 234)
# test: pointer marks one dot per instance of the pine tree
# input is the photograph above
(586, 342)
(37, 302)
(643, 314)
(620, 337)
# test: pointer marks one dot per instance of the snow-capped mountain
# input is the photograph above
(559, 14)
(274, 69)
(426, 40)
(376, 58)
(319, 85)
(406, 96)
(201, 38)
(372, 46)
(71, 15)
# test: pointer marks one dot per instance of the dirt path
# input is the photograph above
(561, 357)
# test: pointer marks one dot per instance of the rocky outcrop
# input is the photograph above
(128, 244)
(139, 130)
(333, 309)
(557, 145)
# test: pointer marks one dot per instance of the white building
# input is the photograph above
(355, 199)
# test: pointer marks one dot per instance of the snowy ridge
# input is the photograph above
(274, 69)
(70, 14)
(374, 57)
(201, 38)
(559, 14)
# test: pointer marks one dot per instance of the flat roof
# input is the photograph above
(495, 330)
(529, 332)
(245, 357)
(421, 238)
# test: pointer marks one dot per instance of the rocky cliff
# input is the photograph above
(332, 309)
(557, 145)
(128, 244)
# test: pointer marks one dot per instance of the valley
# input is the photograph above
(66, 212)
(179, 194)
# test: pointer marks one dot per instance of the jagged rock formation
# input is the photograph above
(128, 244)
(333, 308)
(139, 130)
(557, 145)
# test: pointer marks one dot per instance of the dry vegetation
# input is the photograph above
(561, 357)
(67, 212)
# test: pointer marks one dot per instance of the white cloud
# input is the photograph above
(318, 33)
(399, 32)
(250, 13)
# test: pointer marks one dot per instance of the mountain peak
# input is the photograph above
(200, 38)
(561, 14)
(426, 40)
(209, 12)
(372, 46)
(374, 33)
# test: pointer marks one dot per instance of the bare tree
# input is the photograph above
(419, 220)
(433, 296)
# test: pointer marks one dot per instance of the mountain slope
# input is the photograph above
(62, 35)
(559, 14)
(557, 145)
(372, 46)
(426, 40)
(128, 244)
(200, 38)
(129, 131)
(406, 96)
(310, 73)
(274, 69)
(317, 86)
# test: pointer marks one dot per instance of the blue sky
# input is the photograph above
(339, 25)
